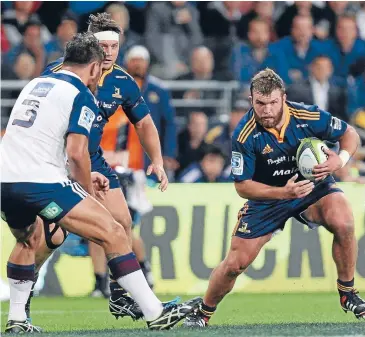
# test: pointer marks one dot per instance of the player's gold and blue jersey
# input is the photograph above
(116, 88)
(267, 156)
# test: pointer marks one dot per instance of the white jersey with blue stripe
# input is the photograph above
(48, 108)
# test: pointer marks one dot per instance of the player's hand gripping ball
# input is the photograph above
(311, 152)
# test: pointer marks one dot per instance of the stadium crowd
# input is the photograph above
(318, 48)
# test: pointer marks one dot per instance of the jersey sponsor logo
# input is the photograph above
(267, 149)
(276, 161)
(257, 134)
(117, 93)
(86, 118)
(42, 89)
(285, 172)
(106, 105)
(302, 126)
(281, 159)
(122, 77)
(51, 211)
(99, 118)
(336, 123)
(237, 163)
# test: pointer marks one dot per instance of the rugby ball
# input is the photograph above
(309, 154)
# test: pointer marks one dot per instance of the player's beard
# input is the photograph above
(271, 121)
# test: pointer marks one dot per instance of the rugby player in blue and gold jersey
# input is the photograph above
(116, 91)
(265, 172)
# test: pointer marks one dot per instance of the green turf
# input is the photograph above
(238, 315)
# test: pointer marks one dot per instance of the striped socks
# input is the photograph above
(345, 286)
(206, 311)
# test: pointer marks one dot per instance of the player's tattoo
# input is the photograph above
(111, 256)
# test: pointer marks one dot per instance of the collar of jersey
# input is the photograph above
(280, 136)
(66, 72)
(104, 74)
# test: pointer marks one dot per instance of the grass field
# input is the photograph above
(239, 315)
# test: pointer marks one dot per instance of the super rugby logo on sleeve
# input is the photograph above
(86, 118)
(237, 163)
(336, 123)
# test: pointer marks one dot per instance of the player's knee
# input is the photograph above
(115, 234)
(125, 220)
(234, 266)
(341, 224)
(344, 226)
(120, 233)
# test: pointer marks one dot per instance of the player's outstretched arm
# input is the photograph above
(148, 136)
(253, 190)
(79, 160)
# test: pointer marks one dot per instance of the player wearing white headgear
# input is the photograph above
(115, 89)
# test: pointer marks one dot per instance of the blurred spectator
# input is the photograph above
(174, 28)
(23, 69)
(298, 50)
(162, 112)
(263, 10)
(356, 86)
(16, 21)
(249, 58)
(137, 12)
(65, 31)
(347, 48)
(86, 7)
(221, 135)
(191, 140)
(119, 13)
(57, 8)
(32, 45)
(319, 89)
(208, 170)
(356, 90)
(218, 20)
(360, 19)
(301, 8)
(332, 11)
(358, 68)
(358, 120)
(202, 69)
(5, 44)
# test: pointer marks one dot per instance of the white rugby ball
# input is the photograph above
(309, 154)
